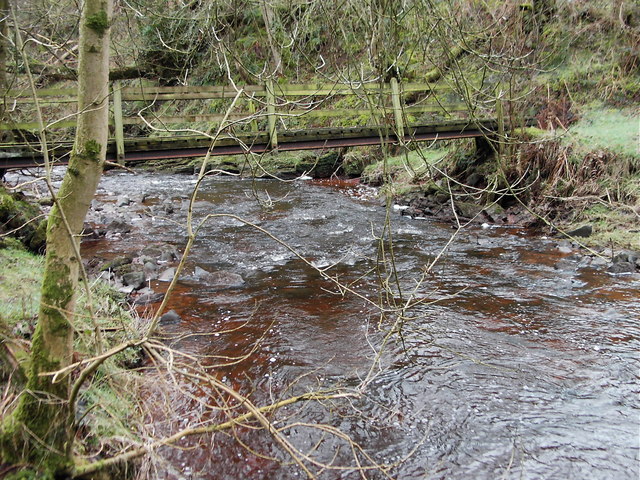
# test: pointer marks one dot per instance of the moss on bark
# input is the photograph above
(22, 218)
(98, 22)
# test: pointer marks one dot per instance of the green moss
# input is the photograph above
(11, 243)
(411, 166)
(98, 22)
(57, 287)
(21, 219)
(92, 150)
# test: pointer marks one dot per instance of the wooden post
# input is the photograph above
(397, 109)
(500, 118)
(271, 114)
(252, 112)
(117, 121)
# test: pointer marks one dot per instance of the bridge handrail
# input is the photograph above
(265, 96)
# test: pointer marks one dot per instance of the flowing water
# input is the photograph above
(509, 368)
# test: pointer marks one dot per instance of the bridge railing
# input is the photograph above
(267, 109)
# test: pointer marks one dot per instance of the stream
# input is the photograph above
(519, 360)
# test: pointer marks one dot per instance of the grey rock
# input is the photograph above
(626, 256)
(167, 275)
(119, 226)
(150, 266)
(150, 270)
(134, 279)
(199, 272)
(599, 262)
(622, 267)
(162, 252)
(584, 231)
(127, 290)
(123, 201)
(117, 262)
(147, 298)
(225, 279)
(168, 256)
(170, 317)
(218, 280)
(565, 248)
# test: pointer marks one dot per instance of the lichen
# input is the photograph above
(98, 22)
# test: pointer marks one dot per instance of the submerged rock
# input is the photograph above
(170, 317)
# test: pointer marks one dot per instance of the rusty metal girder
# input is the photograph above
(150, 149)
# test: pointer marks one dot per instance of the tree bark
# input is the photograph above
(268, 18)
(4, 18)
(40, 429)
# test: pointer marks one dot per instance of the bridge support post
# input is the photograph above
(500, 118)
(397, 109)
(117, 121)
(271, 114)
(252, 112)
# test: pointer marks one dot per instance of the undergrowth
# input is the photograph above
(107, 406)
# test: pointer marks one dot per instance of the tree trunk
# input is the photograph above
(268, 18)
(39, 430)
(4, 19)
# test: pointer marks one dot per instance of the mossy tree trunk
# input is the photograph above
(40, 429)
(4, 20)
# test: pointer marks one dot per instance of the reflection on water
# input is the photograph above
(518, 371)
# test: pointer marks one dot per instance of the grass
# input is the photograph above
(611, 226)
(605, 128)
(20, 279)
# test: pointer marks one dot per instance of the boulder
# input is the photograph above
(163, 252)
(584, 231)
(224, 279)
(170, 317)
(622, 267)
(117, 262)
(134, 279)
(147, 298)
(119, 226)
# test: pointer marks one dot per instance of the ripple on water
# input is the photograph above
(519, 370)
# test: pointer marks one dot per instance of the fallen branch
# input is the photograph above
(81, 470)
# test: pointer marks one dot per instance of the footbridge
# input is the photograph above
(149, 122)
